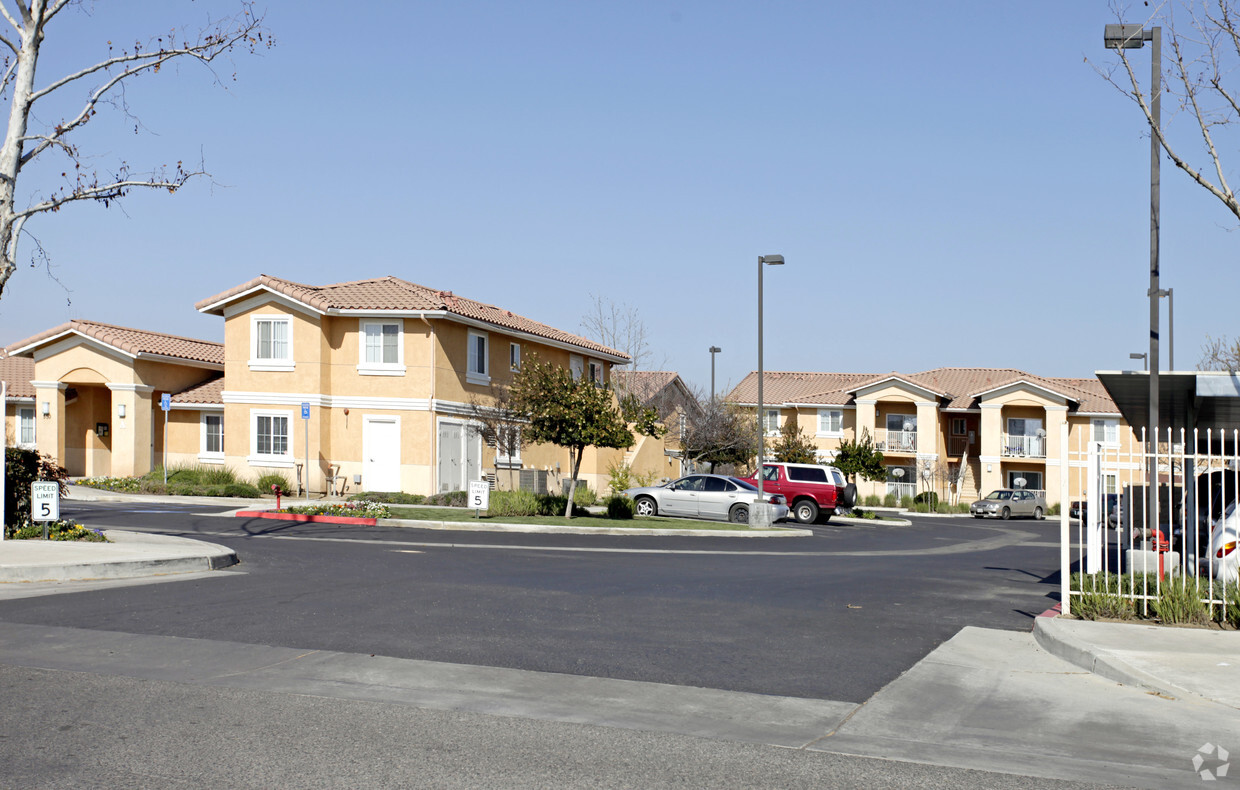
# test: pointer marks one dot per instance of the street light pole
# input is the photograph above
(713, 350)
(763, 260)
(1133, 37)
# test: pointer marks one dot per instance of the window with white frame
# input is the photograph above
(478, 370)
(270, 441)
(25, 427)
(382, 348)
(770, 422)
(596, 372)
(1033, 480)
(1105, 431)
(511, 441)
(577, 365)
(212, 439)
(514, 357)
(271, 342)
(830, 422)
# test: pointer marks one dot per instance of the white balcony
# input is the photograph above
(896, 441)
(1017, 446)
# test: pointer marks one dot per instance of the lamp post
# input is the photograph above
(1134, 37)
(713, 350)
(763, 260)
(1143, 357)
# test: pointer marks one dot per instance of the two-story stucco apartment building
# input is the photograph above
(384, 370)
(1004, 425)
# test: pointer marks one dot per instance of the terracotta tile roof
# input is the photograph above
(18, 372)
(642, 384)
(391, 294)
(961, 386)
(137, 342)
(827, 389)
(209, 392)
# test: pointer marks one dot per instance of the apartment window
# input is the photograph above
(830, 422)
(897, 422)
(269, 444)
(577, 365)
(771, 422)
(478, 370)
(512, 443)
(514, 356)
(1033, 480)
(959, 427)
(272, 342)
(25, 427)
(1106, 431)
(212, 444)
(382, 351)
(596, 373)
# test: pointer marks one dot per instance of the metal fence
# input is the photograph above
(1123, 544)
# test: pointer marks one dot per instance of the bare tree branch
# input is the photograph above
(243, 30)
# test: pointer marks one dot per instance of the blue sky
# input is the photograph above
(951, 184)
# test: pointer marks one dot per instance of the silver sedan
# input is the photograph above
(704, 496)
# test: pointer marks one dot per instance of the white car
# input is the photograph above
(1222, 561)
(704, 496)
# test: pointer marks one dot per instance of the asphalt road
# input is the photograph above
(836, 616)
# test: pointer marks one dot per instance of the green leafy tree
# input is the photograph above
(859, 458)
(23, 467)
(794, 446)
(574, 414)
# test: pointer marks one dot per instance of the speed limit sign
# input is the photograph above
(479, 494)
(45, 501)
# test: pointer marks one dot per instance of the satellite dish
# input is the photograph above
(897, 472)
(1019, 482)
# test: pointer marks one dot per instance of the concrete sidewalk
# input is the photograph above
(129, 555)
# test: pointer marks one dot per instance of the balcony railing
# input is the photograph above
(956, 445)
(1017, 446)
(901, 490)
(897, 441)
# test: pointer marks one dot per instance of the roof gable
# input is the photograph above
(132, 343)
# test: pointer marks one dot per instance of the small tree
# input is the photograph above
(574, 414)
(498, 422)
(23, 467)
(793, 446)
(719, 433)
(860, 459)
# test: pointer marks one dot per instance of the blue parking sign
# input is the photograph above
(165, 401)
(305, 411)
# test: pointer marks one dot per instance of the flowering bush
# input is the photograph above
(60, 530)
(346, 509)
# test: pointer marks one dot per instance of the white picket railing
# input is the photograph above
(1186, 537)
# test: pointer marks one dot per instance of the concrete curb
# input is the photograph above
(132, 554)
(1063, 638)
(548, 529)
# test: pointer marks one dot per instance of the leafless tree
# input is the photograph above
(1219, 353)
(619, 326)
(1199, 83)
(27, 137)
(718, 433)
(495, 419)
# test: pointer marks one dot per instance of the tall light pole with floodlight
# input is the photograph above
(713, 350)
(760, 505)
(1134, 37)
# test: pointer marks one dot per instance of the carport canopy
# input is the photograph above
(1187, 399)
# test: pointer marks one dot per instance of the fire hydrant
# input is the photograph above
(276, 488)
(1162, 546)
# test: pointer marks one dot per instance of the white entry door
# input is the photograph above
(381, 453)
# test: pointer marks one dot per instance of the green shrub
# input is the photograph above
(619, 507)
(184, 489)
(448, 499)
(928, 497)
(389, 497)
(872, 500)
(1053, 510)
(59, 530)
(266, 481)
(583, 496)
(513, 503)
(151, 486)
(554, 505)
(906, 502)
(889, 500)
(1179, 602)
(1229, 612)
(619, 477)
(23, 467)
(244, 490)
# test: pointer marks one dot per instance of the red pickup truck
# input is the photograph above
(811, 489)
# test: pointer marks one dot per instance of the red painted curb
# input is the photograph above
(1054, 611)
(369, 522)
